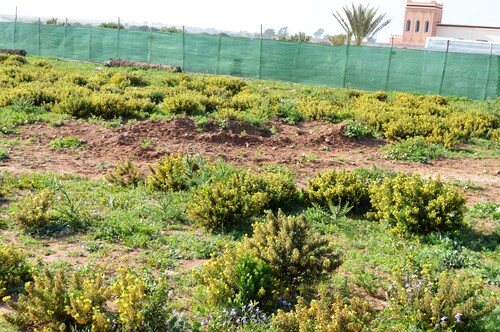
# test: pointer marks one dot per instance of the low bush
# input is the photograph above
(170, 173)
(328, 313)
(188, 103)
(67, 143)
(33, 212)
(125, 174)
(411, 205)
(356, 129)
(316, 109)
(14, 269)
(339, 188)
(283, 254)
(80, 300)
(414, 149)
(448, 301)
(229, 202)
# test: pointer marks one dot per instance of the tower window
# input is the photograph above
(408, 25)
(417, 26)
(426, 29)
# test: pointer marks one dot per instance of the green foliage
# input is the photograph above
(485, 210)
(125, 174)
(4, 155)
(33, 212)
(14, 269)
(414, 149)
(283, 254)
(171, 173)
(288, 113)
(188, 103)
(356, 129)
(57, 302)
(449, 300)
(360, 22)
(79, 300)
(411, 205)
(316, 109)
(328, 313)
(67, 143)
(338, 188)
(237, 277)
(430, 117)
(296, 253)
(229, 202)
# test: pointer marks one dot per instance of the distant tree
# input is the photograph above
(52, 21)
(283, 33)
(360, 22)
(269, 33)
(171, 30)
(319, 33)
(300, 37)
(111, 25)
(337, 40)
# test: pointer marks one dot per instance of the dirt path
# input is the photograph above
(307, 148)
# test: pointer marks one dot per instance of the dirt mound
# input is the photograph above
(307, 148)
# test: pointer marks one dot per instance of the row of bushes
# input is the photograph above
(119, 93)
(225, 198)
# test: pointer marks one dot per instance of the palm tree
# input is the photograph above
(361, 22)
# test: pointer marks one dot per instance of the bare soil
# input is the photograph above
(307, 148)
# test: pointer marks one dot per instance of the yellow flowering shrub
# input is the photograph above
(34, 210)
(411, 205)
(328, 313)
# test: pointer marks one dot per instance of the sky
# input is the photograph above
(230, 15)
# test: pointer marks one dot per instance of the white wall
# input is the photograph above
(469, 33)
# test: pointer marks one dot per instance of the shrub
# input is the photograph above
(33, 212)
(228, 202)
(288, 113)
(450, 300)
(67, 143)
(411, 205)
(414, 149)
(316, 109)
(296, 253)
(283, 254)
(189, 103)
(328, 313)
(14, 269)
(338, 188)
(56, 302)
(356, 129)
(75, 105)
(237, 318)
(237, 278)
(125, 174)
(169, 174)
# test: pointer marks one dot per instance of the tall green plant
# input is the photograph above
(360, 22)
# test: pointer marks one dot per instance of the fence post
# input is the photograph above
(183, 48)
(444, 66)
(150, 41)
(345, 65)
(489, 72)
(65, 38)
(39, 37)
(15, 29)
(118, 40)
(90, 44)
(389, 65)
(218, 54)
(260, 54)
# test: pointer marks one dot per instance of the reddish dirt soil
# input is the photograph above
(307, 148)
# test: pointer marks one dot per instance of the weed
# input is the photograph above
(67, 143)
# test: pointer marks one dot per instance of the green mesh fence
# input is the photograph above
(368, 68)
